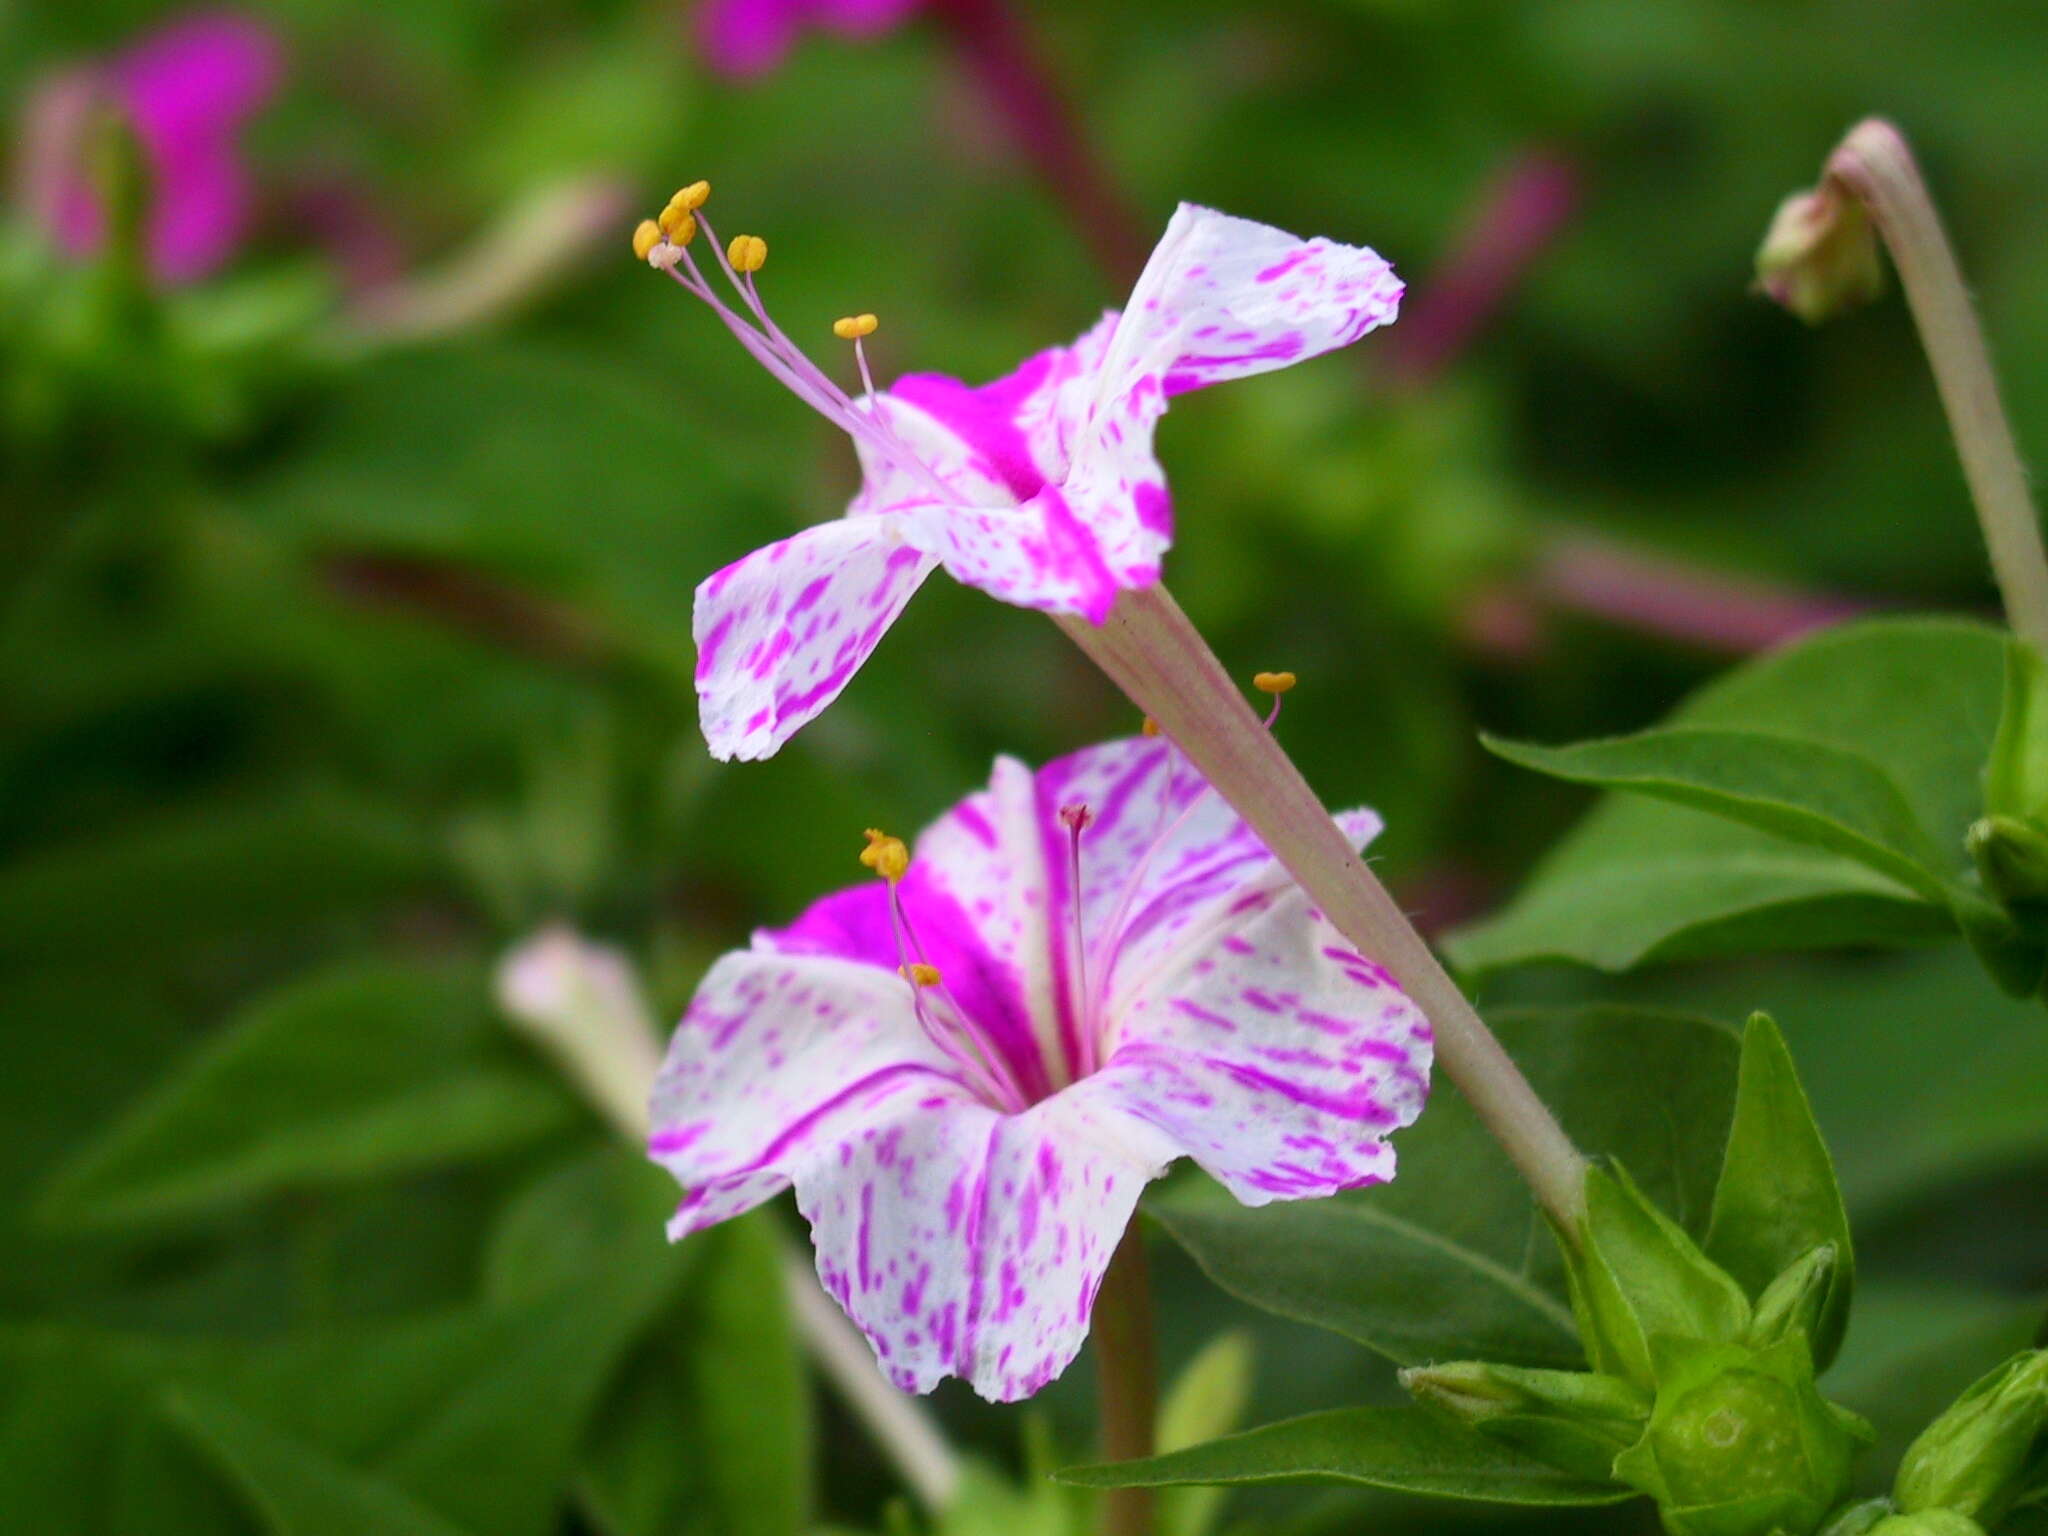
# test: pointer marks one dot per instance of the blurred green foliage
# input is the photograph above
(329, 670)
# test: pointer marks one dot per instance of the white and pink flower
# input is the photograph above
(1124, 976)
(1040, 488)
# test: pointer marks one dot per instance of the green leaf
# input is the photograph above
(1807, 793)
(1642, 880)
(1404, 1450)
(353, 1075)
(300, 1490)
(1777, 1198)
(1458, 1226)
(720, 1370)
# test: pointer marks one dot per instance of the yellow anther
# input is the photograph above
(692, 197)
(919, 974)
(1273, 682)
(885, 855)
(646, 236)
(679, 225)
(853, 327)
(1150, 727)
(747, 253)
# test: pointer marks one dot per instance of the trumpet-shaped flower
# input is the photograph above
(187, 89)
(971, 1069)
(744, 38)
(1040, 488)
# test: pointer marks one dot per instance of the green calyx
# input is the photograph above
(1741, 1442)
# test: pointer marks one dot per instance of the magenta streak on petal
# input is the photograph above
(1206, 1016)
(1081, 554)
(1359, 1107)
(1285, 264)
(986, 418)
(977, 1257)
(985, 988)
(805, 1123)
(1155, 510)
(810, 596)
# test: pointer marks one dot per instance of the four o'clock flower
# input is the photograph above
(970, 1069)
(1040, 488)
(187, 90)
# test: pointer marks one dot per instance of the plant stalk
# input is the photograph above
(1151, 650)
(1876, 165)
(1127, 1380)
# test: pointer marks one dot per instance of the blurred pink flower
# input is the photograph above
(186, 89)
(744, 38)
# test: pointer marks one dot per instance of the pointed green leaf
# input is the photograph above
(1777, 1198)
(352, 1075)
(1458, 1225)
(1802, 791)
(1643, 880)
(1404, 1450)
(298, 1489)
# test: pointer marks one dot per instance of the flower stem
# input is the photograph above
(1127, 1379)
(1042, 124)
(1148, 648)
(1875, 163)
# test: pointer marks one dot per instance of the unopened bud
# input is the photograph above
(583, 1003)
(1578, 1421)
(1795, 1301)
(1973, 1459)
(1820, 256)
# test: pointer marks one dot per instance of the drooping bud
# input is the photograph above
(1820, 256)
(1973, 1459)
(1741, 1441)
(1577, 1421)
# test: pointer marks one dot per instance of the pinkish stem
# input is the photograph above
(1692, 604)
(1514, 221)
(1041, 121)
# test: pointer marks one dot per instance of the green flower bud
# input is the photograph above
(1741, 1441)
(1793, 1303)
(1973, 1459)
(1932, 1522)
(1819, 257)
(1578, 1421)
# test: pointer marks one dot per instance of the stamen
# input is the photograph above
(692, 197)
(646, 235)
(853, 327)
(1150, 727)
(1276, 684)
(885, 855)
(919, 973)
(1077, 818)
(679, 226)
(747, 253)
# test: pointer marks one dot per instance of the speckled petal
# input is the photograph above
(1224, 298)
(781, 1055)
(781, 632)
(971, 1244)
(1268, 1050)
